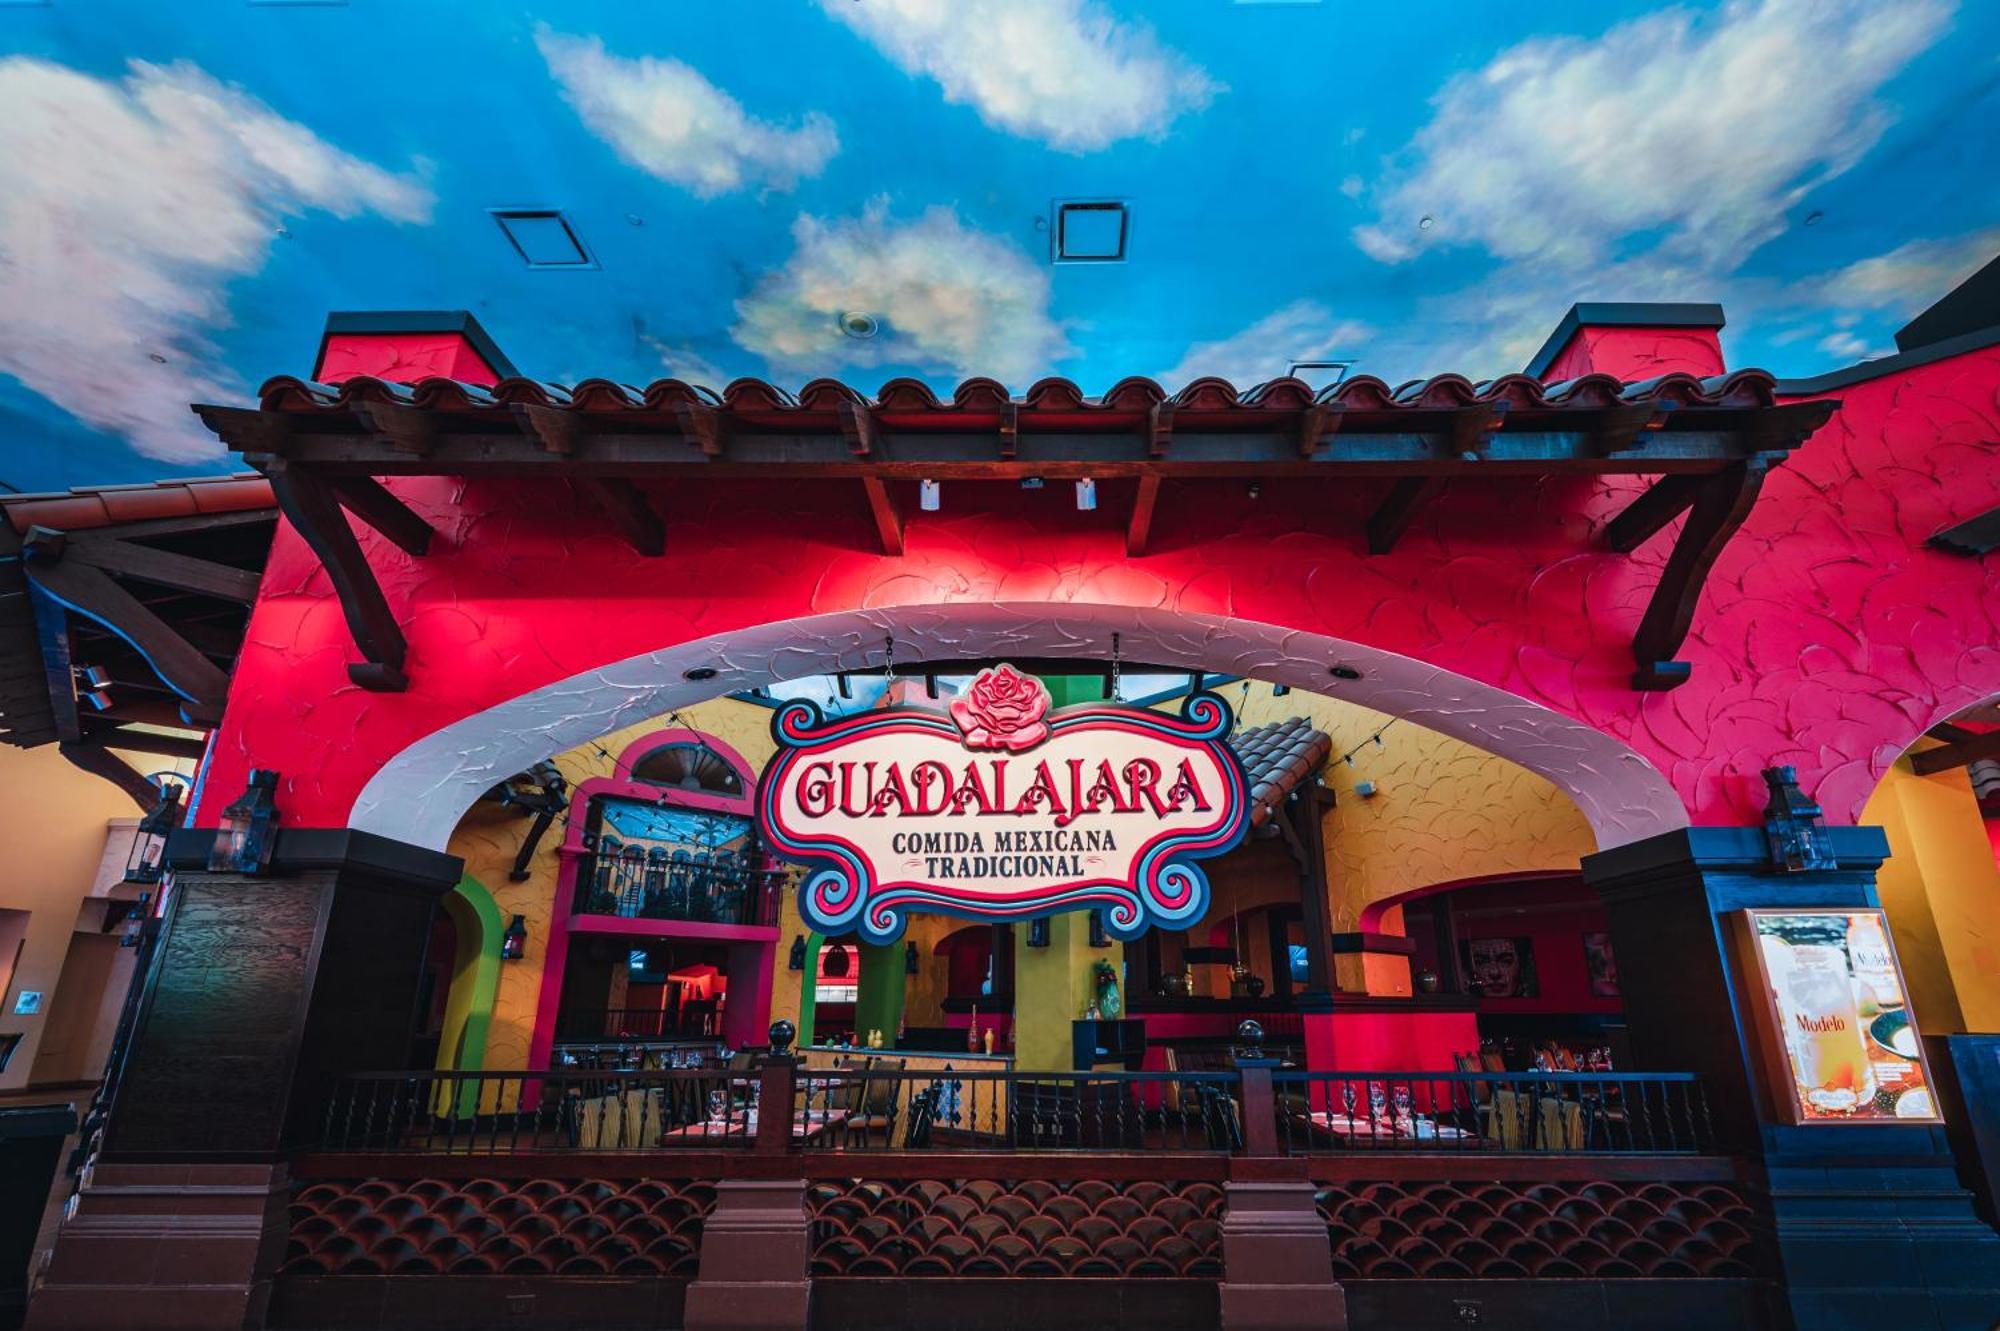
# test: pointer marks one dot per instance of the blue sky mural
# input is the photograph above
(187, 189)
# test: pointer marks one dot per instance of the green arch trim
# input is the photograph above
(475, 980)
(809, 990)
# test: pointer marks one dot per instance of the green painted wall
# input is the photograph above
(475, 979)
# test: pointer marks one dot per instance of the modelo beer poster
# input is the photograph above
(997, 808)
(1835, 1018)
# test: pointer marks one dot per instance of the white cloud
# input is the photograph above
(1705, 130)
(125, 210)
(1061, 71)
(1352, 186)
(1907, 278)
(1302, 330)
(948, 298)
(688, 365)
(1844, 346)
(663, 117)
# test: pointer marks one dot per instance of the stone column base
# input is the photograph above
(164, 1247)
(1277, 1261)
(753, 1259)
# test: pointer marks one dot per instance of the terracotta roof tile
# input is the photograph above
(1278, 757)
(107, 505)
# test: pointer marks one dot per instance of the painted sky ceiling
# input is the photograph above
(187, 189)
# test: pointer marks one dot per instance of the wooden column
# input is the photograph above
(265, 992)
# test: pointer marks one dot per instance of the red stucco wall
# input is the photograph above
(1828, 636)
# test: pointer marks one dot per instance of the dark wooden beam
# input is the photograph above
(1623, 428)
(1472, 428)
(1303, 811)
(1139, 530)
(246, 429)
(1664, 501)
(626, 507)
(101, 762)
(556, 430)
(888, 522)
(311, 506)
(407, 428)
(857, 426)
(1388, 522)
(1318, 424)
(1159, 429)
(1718, 510)
(1929, 762)
(1010, 429)
(700, 426)
(84, 589)
(365, 498)
(146, 741)
(163, 568)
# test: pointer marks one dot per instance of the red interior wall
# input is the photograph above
(1558, 915)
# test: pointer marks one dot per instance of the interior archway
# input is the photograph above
(419, 795)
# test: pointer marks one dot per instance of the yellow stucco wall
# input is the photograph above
(54, 823)
(1940, 887)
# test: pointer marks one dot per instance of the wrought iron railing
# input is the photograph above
(1548, 1112)
(873, 1104)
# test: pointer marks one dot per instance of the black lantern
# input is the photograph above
(1038, 932)
(909, 958)
(249, 830)
(797, 960)
(514, 943)
(1794, 830)
(147, 858)
(134, 926)
(1098, 938)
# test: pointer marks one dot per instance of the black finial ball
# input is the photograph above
(782, 1035)
(1250, 1033)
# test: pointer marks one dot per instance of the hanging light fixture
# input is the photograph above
(797, 960)
(249, 830)
(837, 962)
(514, 943)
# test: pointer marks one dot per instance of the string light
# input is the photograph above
(1375, 739)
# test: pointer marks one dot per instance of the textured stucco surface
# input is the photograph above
(1828, 636)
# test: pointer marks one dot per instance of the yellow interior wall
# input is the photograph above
(1940, 887)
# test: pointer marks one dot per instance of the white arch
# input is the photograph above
(420, 794)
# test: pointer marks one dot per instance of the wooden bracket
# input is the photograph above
(857, 426)
(99, 761)
(1159, 429)
(1651, 511)
(1719, 508)
(408, 429)
(1010, 429)
(701, 425)
(1471, 427)
(882, 505)
(367, 499)
(556, 430)
(1928, 762)
(1621, 429)
(311, 506)
(85, 589)
(1317, 425)
(1139, 530)
(162, 568)
(246, 429)
(1392, 518)
(625, 506)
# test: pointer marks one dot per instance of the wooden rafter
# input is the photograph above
(1159, 429)
(1139, 528)
(1317, 424)
(1958, 753)
(1719, 508)
(1623, 428)
(162, 568)
(99, 761)
(882, 507)
(629, 512)
(410, 429)
(365, 498)
(85, 589)
(1392, 518)
(858, 427)
(312, 507)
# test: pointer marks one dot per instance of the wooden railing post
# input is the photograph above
(775, 1086)
(1260, 1108)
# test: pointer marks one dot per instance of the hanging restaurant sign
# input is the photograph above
(1001, 809)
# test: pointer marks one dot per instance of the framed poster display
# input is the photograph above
(1834, 1018)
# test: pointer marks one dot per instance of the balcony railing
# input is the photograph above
(720, 889)
(874, 1105)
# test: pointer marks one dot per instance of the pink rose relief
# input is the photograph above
(1002, 709)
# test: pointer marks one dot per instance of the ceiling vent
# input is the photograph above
(543, 238)
(1320, 375)
(1091, 231)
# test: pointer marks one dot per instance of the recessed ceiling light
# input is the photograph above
(699, 673)
(1343, 672)
(855, 323)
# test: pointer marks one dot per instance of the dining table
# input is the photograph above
(806, 1126)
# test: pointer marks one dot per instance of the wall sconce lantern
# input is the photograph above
(797, 960)
(1098, 938)
(249, 830)
(909, 958)
(514, 943)
(134, 926)
(147, 859)
(1794, 829)
(1038, 932)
